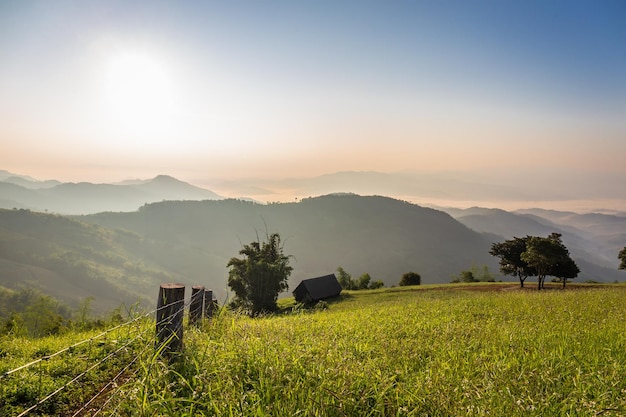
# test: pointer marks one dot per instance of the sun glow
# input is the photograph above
(139, 99)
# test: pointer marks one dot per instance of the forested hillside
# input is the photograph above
(378, 235)
(122, 257)
(72, 260)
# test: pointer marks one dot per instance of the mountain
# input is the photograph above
(381, 236)
(595, 253)
(415, 185)
(72, 260)
(607, 230)
(85, 197)
(123, 256)
(495, 188)
(31, 184)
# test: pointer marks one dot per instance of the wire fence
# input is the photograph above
(125, 351)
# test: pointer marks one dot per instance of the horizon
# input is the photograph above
(516, 95)
(580, 206)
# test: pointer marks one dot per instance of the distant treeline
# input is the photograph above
(30, 313)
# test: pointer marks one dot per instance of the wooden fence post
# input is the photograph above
(196, 304)
(209, 307)
(169, 319)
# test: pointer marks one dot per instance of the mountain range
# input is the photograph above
(120, 255)
(83, 198)
(594, 240)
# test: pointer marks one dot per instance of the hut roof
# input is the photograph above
(318, 288)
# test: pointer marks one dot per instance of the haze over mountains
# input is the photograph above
(84, 198)
(506, 190)
(594, 240)
(130, 237)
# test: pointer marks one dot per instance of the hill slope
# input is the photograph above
(378, 235)
(71, 260)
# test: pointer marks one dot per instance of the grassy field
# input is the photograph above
(398, 352)
(77, 364)
(419, 351)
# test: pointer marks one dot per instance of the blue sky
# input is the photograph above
(109, 90)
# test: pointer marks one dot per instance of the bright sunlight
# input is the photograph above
(139, 98)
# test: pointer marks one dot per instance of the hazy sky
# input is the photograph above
(111, 90)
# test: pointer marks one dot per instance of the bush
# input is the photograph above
(410, 278)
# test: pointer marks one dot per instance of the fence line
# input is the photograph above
(111, 382)
(75, 345)
(159, 347)
(76, 378)
(119, 387)
(89, 369)
(120, 373)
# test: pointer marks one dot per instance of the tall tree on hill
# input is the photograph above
(260, 275)
(622, 257)
(511, 262)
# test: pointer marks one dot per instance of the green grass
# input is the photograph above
(411, 351)
(403, 352)
(25, 387)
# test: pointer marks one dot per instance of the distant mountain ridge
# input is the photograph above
(593, 239)
(117, 256)
(85, 198)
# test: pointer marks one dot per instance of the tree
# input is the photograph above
(622, 257)
(483, 274)
(511, 262)
(363, 282)
(345, 279)
(565, 269)
(410, 278)
(376, 285)
(549, 256)
(42, 318)
(467, 276)
(260, 275)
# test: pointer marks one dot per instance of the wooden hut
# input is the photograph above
(315, 289)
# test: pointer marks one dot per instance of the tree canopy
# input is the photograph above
(511, 262)
(364, 282)
(549, 256)
(535, 256)
(260, 275)
(622, 257)
(410, 278)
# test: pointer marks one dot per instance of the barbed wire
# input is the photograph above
(159, 347)
(117, 390)
(111, 382)
(91, 339)
(76, 378)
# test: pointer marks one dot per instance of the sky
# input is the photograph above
(104, 91)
